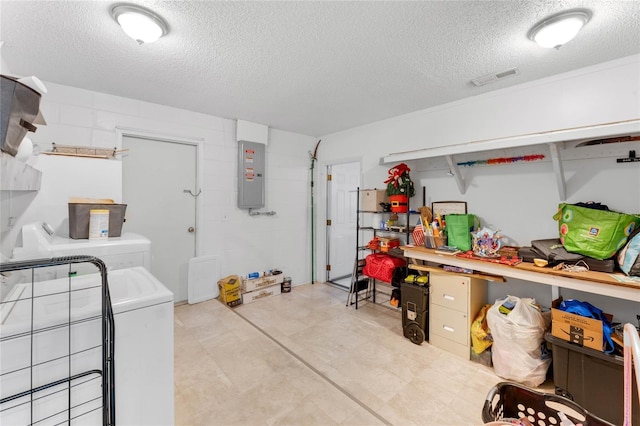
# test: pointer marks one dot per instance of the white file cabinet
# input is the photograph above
(454, 302)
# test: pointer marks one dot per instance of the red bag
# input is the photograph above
(380, 266)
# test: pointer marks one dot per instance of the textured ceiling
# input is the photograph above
(307, 67)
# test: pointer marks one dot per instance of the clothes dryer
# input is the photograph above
(38, 242)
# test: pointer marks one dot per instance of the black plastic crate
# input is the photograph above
(593, 379)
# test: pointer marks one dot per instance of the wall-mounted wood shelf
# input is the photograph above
(552, 139)
(16, 175)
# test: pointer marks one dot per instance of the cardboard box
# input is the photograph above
(387, 244)
(260, 294)
(370, 199)
(261, 282)
(577, 329)
(230, 290)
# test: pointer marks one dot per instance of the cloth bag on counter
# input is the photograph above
(594, 232)
(458, 230)
(519, 352)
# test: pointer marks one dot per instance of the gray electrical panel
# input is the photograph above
(251, 167)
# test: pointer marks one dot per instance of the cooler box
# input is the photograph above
(593, 379)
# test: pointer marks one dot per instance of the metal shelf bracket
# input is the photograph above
(558, 169)
(453, 168)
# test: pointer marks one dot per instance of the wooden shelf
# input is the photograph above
(612, 285)
(551, 138)
(17, 175)
(426, 268)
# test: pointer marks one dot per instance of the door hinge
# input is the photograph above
(328, 177)
(328, 222)
(328, 267)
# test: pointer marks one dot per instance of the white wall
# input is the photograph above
(519, 199)
(4, 66)
(82, 177)
(242, 243)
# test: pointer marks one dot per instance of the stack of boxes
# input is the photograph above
(261, 287)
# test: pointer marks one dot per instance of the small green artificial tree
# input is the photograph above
(399, 182)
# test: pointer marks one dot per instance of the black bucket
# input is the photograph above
(286, 285)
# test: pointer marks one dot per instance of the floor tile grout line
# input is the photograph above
(315, 370)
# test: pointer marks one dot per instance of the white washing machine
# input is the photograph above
(143, 311)
(39, 242)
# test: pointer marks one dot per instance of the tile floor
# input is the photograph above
(304, 358)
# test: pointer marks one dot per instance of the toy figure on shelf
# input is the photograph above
(486, 242)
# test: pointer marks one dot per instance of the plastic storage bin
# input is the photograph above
(593, 379)
(79, 218)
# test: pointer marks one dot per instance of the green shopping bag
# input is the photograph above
(594, 233)
(458, 230)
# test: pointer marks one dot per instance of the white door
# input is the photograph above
(341, 234)
(156, 179)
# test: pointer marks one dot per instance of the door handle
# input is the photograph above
(188, 191)
(191, 229)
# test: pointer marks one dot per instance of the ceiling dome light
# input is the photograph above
(556, 30)
(142, 25)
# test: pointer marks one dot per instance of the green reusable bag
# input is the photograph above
(458, 230)
(594, 233)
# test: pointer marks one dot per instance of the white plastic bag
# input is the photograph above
(518, 336)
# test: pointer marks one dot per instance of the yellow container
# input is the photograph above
(98, 224)
(230, 290)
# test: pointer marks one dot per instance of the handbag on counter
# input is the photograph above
(552, 250)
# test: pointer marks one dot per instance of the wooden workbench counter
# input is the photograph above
(607, 284)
